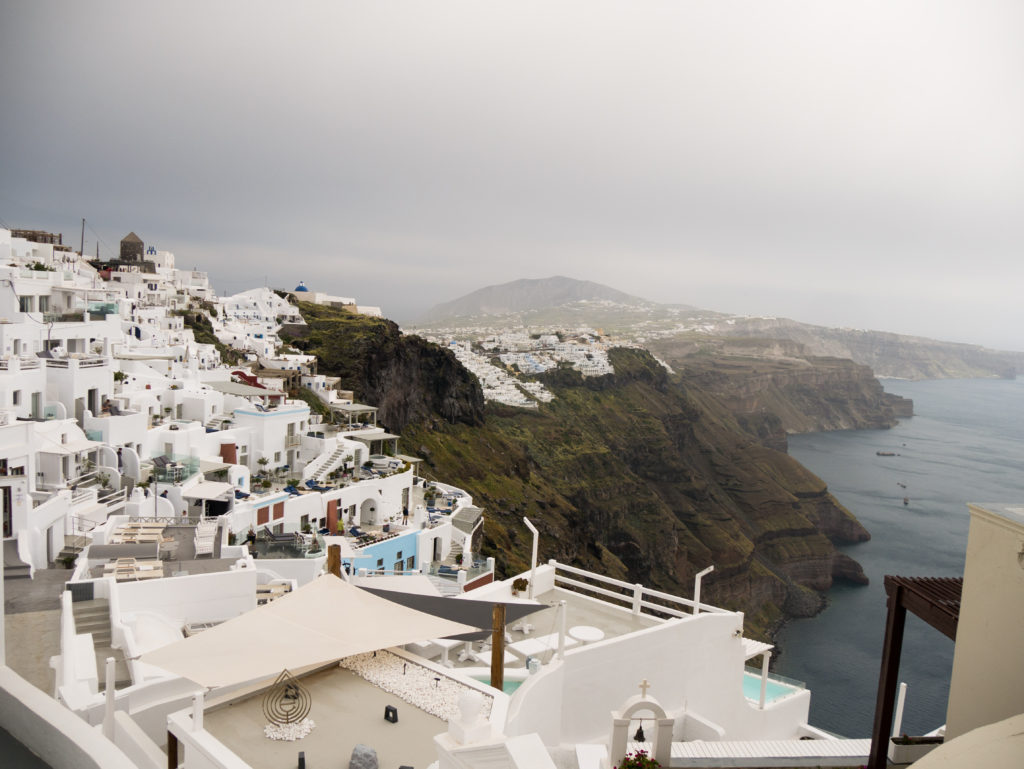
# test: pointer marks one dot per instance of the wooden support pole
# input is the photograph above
(498, 646)
(888, 677)
(334, 560)
(172, 751)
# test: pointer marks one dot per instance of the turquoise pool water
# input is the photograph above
(775, 690)
(508, 688)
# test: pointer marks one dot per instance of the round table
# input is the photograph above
(586, 633)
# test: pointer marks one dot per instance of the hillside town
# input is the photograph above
(244, 580)
(505, 362)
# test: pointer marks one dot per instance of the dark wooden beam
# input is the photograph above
(334, 560)
(888, 677)
(498, 646)
(172, 751)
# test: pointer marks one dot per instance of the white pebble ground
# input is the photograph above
(414, 684)
(289, 732)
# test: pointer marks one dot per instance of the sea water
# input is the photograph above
(965, 443)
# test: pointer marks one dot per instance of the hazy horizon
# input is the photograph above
(855, 166)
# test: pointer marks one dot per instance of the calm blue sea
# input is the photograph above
(965, 443)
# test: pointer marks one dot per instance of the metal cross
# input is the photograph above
(644, 686)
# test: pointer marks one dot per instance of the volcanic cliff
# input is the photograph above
(640, 475)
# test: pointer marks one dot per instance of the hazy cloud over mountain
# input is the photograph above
(852, 164)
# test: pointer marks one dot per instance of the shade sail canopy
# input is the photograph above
(479, 614)
(208, 490)
(320, 622)
(419, 584)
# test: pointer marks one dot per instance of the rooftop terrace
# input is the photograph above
(347, 710)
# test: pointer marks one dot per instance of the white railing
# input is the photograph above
(633, 594)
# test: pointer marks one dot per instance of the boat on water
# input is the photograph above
(885, 453)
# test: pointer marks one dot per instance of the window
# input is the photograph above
(398, 567)
(25, 303)
(44, 304)
(16, 397)
(410, 562)
(277, 456)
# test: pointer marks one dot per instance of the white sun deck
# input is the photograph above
(347, 710)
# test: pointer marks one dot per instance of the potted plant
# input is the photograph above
(638, 760)
(458, 559)
(520, 585)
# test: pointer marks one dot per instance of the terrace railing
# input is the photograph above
(634, 595)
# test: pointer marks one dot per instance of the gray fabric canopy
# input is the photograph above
(463, 610)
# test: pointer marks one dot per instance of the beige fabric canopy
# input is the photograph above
(323, 621)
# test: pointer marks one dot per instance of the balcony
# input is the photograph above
(90, 361)
(19, 364)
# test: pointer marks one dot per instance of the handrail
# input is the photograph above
(636, 596)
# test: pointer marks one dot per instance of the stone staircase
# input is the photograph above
(446, 587)
(14, 567)
(216, 422)
(456, 550)
(331, 463)
(73, 545)
(94, 617)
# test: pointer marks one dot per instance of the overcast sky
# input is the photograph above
(851, 164)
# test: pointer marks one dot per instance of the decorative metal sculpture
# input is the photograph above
(286, 702)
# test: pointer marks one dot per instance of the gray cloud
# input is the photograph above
(859, 165)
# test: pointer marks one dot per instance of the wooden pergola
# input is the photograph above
(936, 600)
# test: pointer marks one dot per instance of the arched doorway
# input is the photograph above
(369, 512)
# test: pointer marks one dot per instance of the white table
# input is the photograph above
(446, 644)
(535, 647)
(586, 633)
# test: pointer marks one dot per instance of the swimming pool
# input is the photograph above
(509, 685)
(775, 689)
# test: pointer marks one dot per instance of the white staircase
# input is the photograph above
(216, 422)
(446, 587)
(325, 464)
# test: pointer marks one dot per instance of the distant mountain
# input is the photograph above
(558, 302)
(674, 332)
(527, 295)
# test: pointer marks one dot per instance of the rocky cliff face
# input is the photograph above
(775, 396)
(650, 480)
(407, 378)
(640, 475)
(888, 355)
